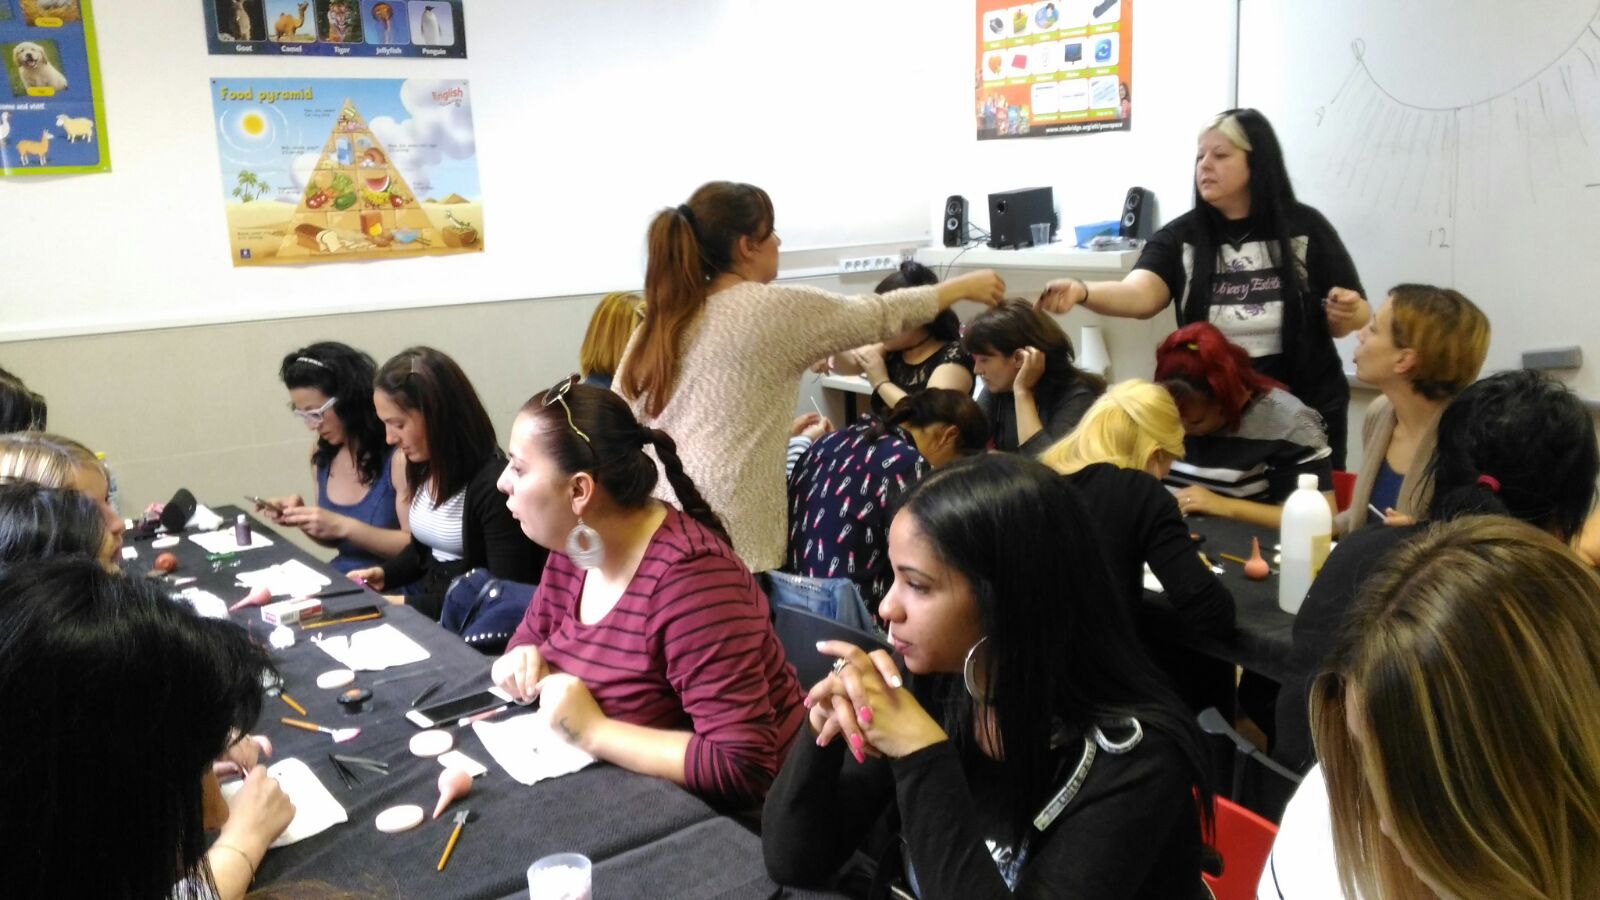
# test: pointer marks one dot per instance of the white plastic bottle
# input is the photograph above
(1306, 535)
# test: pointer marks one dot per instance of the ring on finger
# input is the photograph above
(838, 665)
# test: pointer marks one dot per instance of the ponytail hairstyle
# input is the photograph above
(1014, 324)
(20, 408)
(460, 436)
(345, 374)
(946, 326)
(611, 448)
(1518, 444)
(935, 406)
(688, 245)
(1197, 363)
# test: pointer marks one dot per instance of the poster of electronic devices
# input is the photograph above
(1055, 67)
(346, 169)
(52, 117)
(412, 28)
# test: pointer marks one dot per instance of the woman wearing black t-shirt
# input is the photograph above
(926, 357)
(1245, 224)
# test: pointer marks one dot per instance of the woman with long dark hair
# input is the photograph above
(172, 691)
(842, 489)
(433, 417)
(1032, 393)
(1032, 751)
(1266, 269)
(359, 478)
(927, 357)
(719, 358)
(648, 642)
(1247, 439)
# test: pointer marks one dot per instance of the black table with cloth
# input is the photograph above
(646, 836)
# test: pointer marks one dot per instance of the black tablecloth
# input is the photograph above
(1262, 639)
(646, 836)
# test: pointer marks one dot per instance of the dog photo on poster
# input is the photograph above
(346, 169)
(425, 29)
(1054, 67)
(52, 117)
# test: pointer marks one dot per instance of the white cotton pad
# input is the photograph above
(431, 743)
(337, 678)
(165, 542)
(396, 819)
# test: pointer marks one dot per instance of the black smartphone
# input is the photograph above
(450, 712)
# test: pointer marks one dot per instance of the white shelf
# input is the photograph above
(1051, 257)
(854, 384)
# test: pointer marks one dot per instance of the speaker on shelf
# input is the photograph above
(1138, 214)
(955, 221)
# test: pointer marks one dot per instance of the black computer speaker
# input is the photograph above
(1138, 214)
(955, 221)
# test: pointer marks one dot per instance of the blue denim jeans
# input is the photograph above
(833, 598)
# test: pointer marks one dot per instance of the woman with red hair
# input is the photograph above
(1247, 439)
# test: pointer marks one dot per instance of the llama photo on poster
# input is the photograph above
(1054, 67)
(341, 170)
(52, 115)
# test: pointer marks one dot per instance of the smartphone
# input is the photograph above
(265, 504)
(449, 712)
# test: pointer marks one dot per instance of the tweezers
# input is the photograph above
(361, 762)
(345, 775)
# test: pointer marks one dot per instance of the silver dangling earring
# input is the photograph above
(584, 546)
(971, 674)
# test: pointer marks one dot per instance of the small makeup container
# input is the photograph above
(354, 701)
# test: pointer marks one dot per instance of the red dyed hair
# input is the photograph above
(1196, 361)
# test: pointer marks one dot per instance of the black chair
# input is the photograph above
(1265, 794)
(799, 631)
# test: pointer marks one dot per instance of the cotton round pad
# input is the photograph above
(431, 743)
(396, 819)
(337, 678)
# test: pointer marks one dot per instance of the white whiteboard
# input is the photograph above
(1455, 142)
(857, 117)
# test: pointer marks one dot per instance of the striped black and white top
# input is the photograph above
(439, 528)
(1278, 439)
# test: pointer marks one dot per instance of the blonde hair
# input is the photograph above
(1449, 333)
(48, 460)
(1473, 671)
(1227, 125)
(1130, 423)
(610, 327)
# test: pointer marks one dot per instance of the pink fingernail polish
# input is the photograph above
(865, 715)
(855, 742)
(819, 741)
(806, 702)
(858, 755)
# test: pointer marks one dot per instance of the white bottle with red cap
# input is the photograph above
(1305, 538)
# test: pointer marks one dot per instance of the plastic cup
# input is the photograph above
(1041, 233)
(564, 876)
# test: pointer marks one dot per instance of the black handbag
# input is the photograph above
(484, 610)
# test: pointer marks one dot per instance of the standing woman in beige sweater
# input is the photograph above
(718, 361)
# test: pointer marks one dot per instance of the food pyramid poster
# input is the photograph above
(342, 170)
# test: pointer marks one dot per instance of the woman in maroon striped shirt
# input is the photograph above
(648, 642)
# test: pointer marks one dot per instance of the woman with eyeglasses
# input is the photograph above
(1032, 749)
(359, 478)
(718, 360)
(648, 642)
(433, 417)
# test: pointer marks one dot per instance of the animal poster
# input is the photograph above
(429, 29)
(340, 170)
(1054, 67)
(52, 114)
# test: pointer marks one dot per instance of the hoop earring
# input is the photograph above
(969, 672)
(584, 546)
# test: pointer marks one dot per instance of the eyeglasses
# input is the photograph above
(313, 417)
(559, 394)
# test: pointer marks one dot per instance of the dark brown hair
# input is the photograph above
(1015, 324)
(460, 436)
(614, 453)
(688, 244)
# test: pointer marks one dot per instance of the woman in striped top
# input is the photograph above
(1248, 440)
(648, 642)
(432, 414)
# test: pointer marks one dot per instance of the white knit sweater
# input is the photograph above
(738, 377)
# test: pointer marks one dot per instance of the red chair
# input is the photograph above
(1344, 484)
(1243, 841)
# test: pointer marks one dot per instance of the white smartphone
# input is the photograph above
(449, 712)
